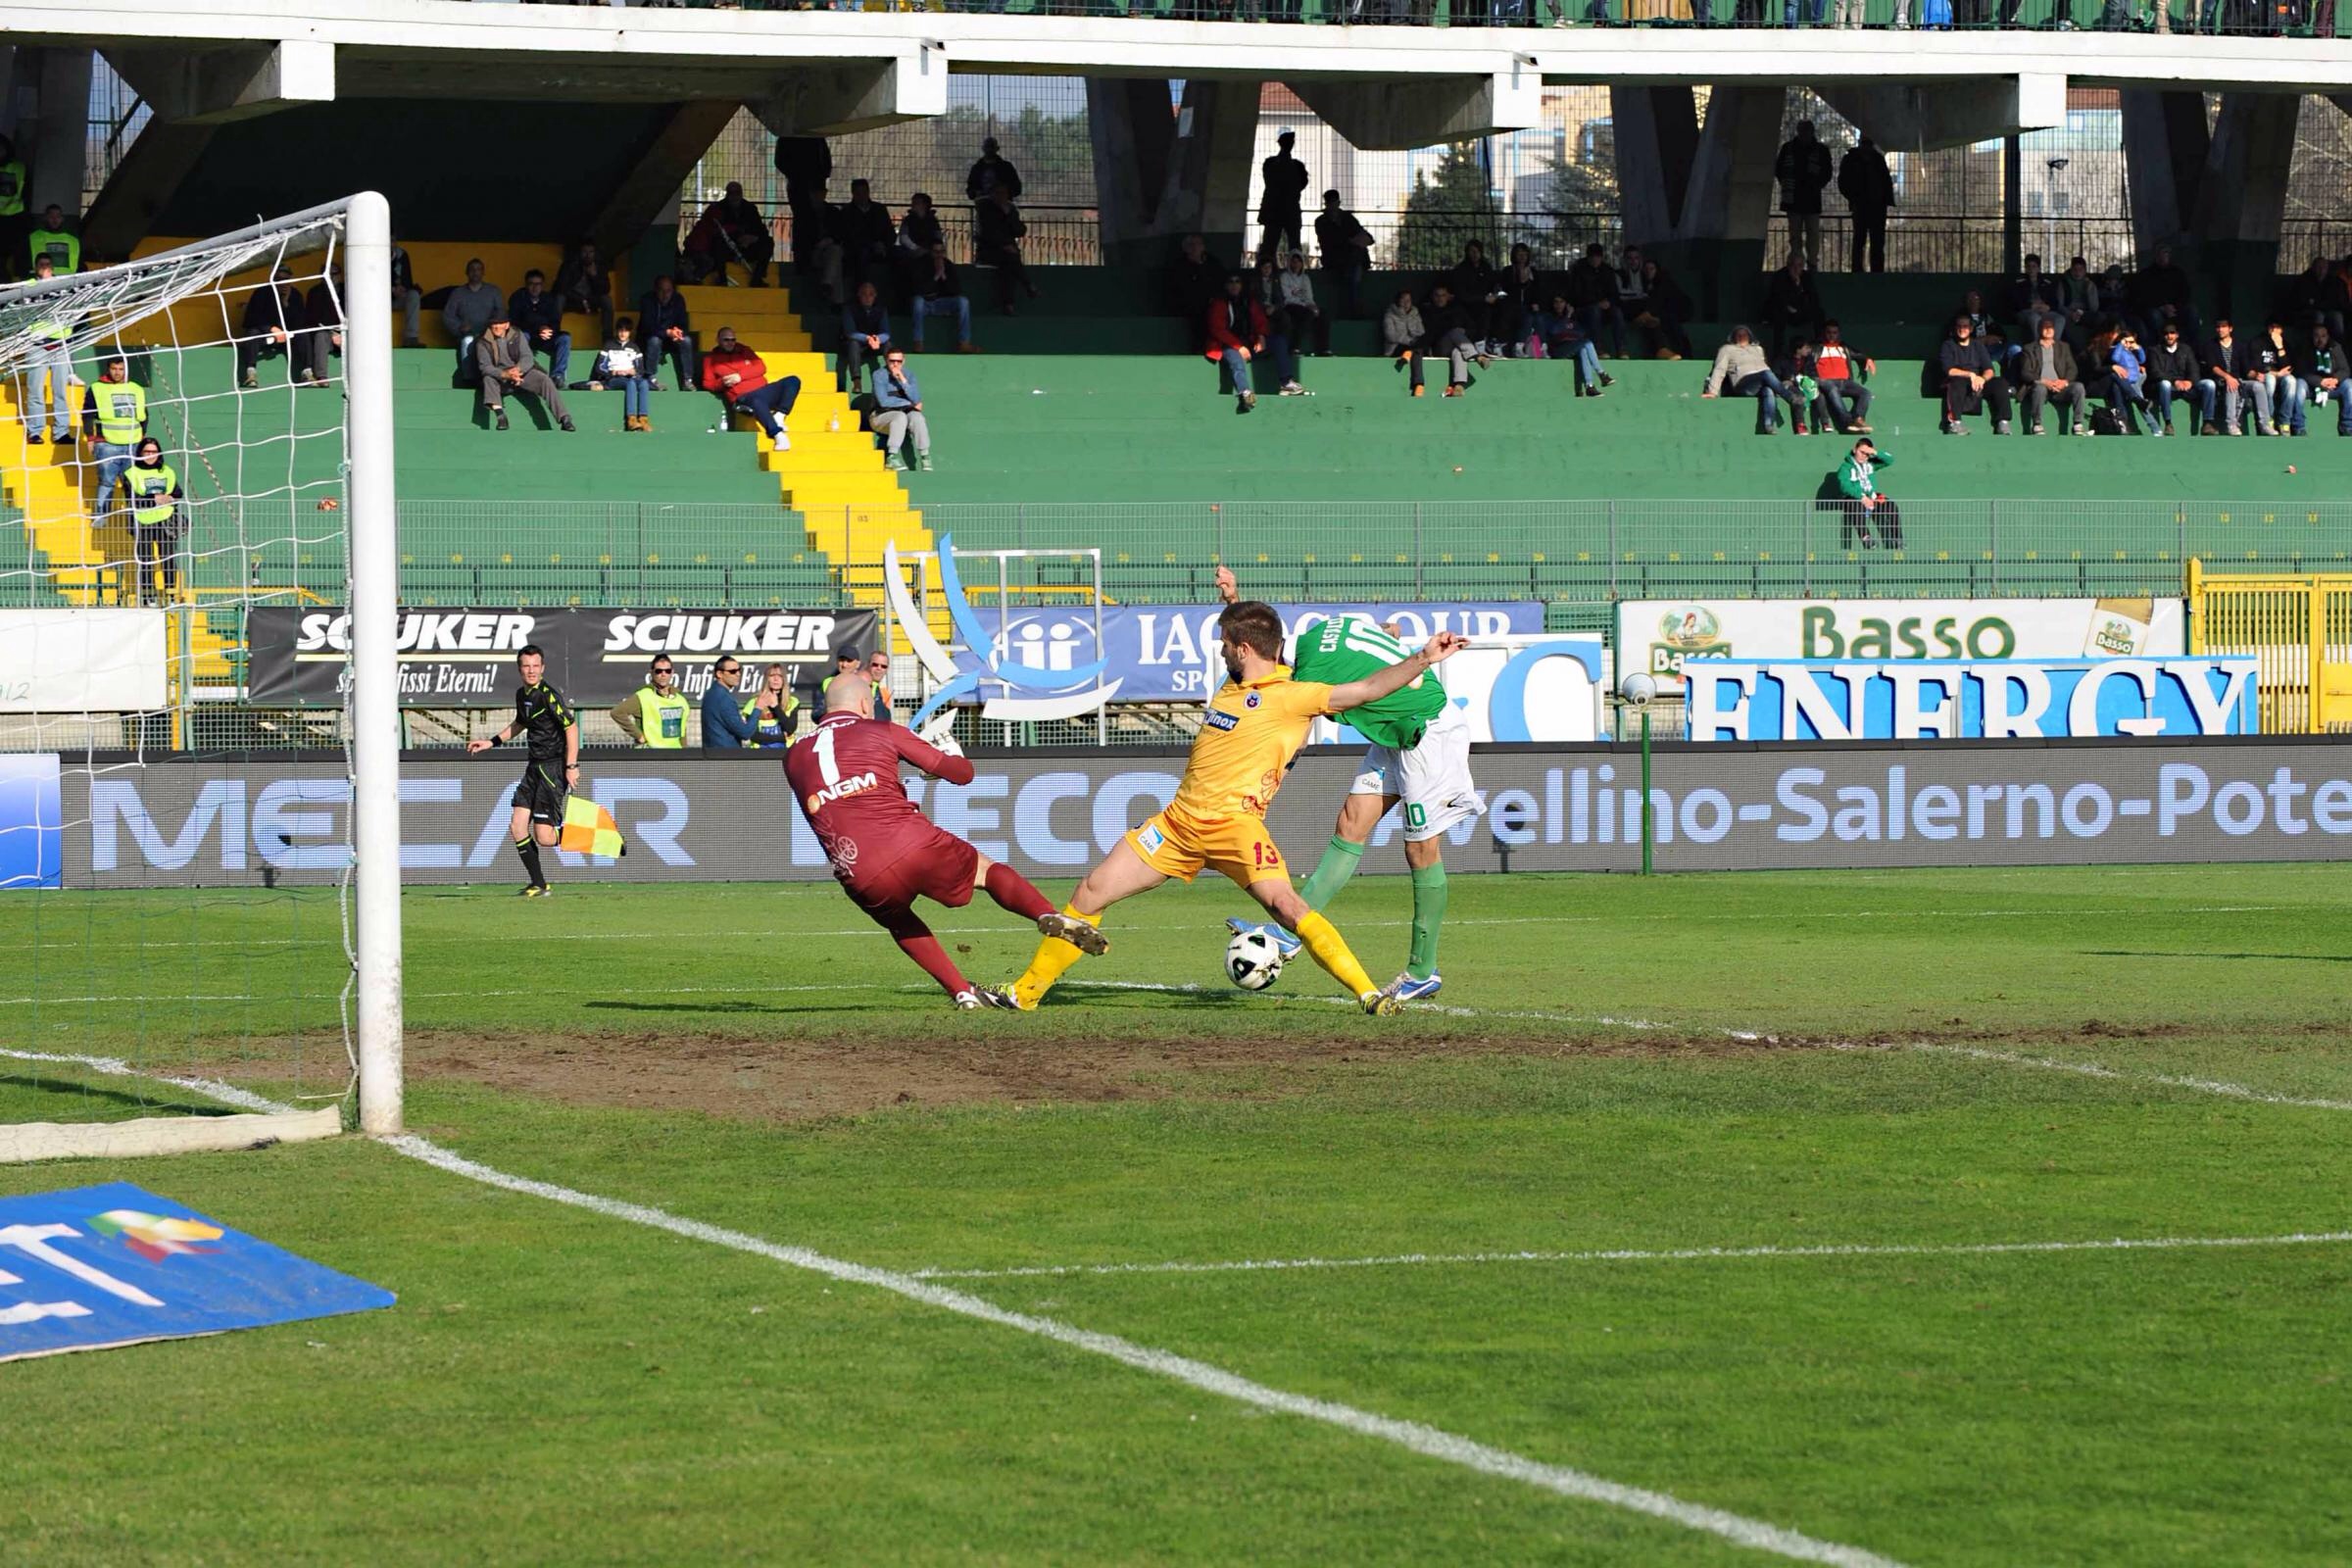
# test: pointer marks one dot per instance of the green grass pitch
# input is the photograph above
(1907, 1064)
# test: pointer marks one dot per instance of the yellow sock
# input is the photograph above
(1330, 950)
(1054, 959)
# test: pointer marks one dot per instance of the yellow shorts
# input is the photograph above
(1240, 847)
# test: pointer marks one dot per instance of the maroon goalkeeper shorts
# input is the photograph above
(941, 870)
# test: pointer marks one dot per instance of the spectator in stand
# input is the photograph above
(807, 164)
(918, 232)
(2125, 388)
(726, 712)
(877, 680)
(1475, 286)
(1742, 370)
(1283, 191)
(503, 359)
(2050, 373)
(1561, 330)
(49, 379)
(1790, 305)
(1838, 372)
(1525, 296)
(866, 235)
(743, 232)
(1347, 247)
(539, 316)
(56, 240)
(151, 488)
(322, 318)
(2311, 299)
(273, 314)
(2175, 371)
(1592, 288)
(1447, 330)
(774, 710)
(1402, 336)
(2033, 298)
(1194, 282)
(2077, 303)
(992, 172)
(2231, 364)
(2164, 295)
(114, 418)
(1795, 370)
(1867, 188)
(1236, 335)
(739, 376)
(899, 414)
(622, 368)
(1972, 377)
(864, 334)
(1304, 324)
(465, 313)
(2325, 369)
(1869, 515)
(585, 288)
(408, 299)
(667, 334)
(16, 220)
(655, 713)
(996, 231)
(1802, 168)
(2274, 367)
(938, 292)
(1972, 305)
(1663, 311)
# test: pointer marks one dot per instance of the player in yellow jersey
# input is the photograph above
(1254, 727)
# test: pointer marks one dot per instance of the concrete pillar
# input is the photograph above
(56, 153)
(1728, 208)
(1160, 173)
(1656, 135)
(2241, 199)
(1398, 115)
(2164, 153)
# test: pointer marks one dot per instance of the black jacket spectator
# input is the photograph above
(997, 232)
(273, 314)
(530, 315)
(1802, 168)
(1472, 281)
(1592, 282)
(322, 314)
(1792, 305)
(805, 163)
(1869, 191)
(865, 233)
(1194, 282)
(2176, 362)
(585, 285)
(992, 171)
(1436, 320)
(918, 232)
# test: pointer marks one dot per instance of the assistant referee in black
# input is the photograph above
(552, 731)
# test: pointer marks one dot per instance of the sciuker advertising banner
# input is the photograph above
(1659, 635)
(465, 657)
(1717, 807)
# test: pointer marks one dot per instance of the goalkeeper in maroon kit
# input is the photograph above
(845, 776)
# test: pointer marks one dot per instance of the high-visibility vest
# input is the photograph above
(61, 248)
(151, 490)
(12, 187)
(662, 719)
(50, 331)
(122, 411)
(770, 731)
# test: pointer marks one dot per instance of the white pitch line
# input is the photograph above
(1427, 1441)
(1430, 1442)
(2093, 1069)
(116, 1067)
(1682, 1255)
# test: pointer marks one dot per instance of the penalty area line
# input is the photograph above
(2105, 1073)
(1678, 1254)
(1433, 1442)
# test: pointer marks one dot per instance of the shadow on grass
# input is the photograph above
(804, 1009)
(2278, 958)
(40, 1083)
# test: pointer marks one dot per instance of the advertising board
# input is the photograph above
(1750, 699)
(82, 661)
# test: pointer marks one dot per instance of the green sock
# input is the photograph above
(1338, 863)
(1429, 912)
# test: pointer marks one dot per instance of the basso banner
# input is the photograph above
(1746, 700)
(728, 818)
(465, 657)
(1659, 634)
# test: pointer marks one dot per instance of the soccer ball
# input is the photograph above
(1252, 961)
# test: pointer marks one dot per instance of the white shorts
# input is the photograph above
(1433, 778)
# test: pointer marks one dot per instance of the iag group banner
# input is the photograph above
(1723, 807)
(465, 657)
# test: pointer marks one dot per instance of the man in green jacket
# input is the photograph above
(1867, 511)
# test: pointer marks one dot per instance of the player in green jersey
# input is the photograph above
(1419, 754)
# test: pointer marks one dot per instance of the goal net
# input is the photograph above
(198, 890)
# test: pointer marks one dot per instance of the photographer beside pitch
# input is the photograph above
(552, 733)
(1249, 736)
(1419, 754)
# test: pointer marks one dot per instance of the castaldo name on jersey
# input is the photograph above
(855, 784)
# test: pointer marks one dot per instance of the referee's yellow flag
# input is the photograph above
(590, 829)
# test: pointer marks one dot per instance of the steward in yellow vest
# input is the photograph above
(655, 713)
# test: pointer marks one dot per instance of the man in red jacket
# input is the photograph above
(1237, 332)
(845, 779)
(738, 375)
